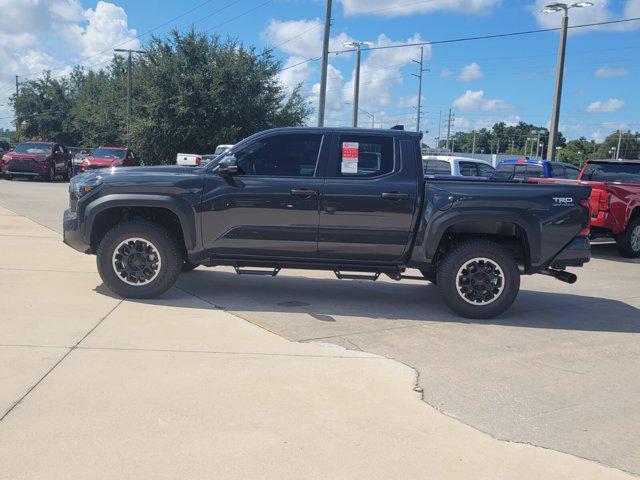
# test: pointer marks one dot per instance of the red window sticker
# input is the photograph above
(349, 157)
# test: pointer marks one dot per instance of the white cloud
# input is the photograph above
(599, 12)
(34, 32)
(446, 72)
(301, 38)
(475, 100)
(606, 72)
(295, 71)
(615, 126)
(611, 105)
(396, 8)
(470, 72)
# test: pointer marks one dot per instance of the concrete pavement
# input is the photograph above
(97, 387)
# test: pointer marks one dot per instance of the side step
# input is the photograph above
(271, 272)
(356, 276)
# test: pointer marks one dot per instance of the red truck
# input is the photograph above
(614, 201)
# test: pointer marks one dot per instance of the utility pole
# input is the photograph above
(129, 69)
(473, 149)
(439, 131)
(449, 130)
(555, 114)
(356, 83)
(619, 144)
(421, 63)
(17, 85)
(325, 62)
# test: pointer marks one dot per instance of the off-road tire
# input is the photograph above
(167, 249)
(628, 242)
(449, 281)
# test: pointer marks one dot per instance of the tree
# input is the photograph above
(195, 92)
(578, 151)
(629, 146)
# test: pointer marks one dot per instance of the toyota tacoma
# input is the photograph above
(351, 201)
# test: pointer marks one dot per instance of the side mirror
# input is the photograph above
(227, 166)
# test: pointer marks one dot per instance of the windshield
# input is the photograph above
(107, 153)
(34, 148)
(612, 172)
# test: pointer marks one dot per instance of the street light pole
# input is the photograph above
(325, 63)
(557, 96)
(129, 68)
(356, 83)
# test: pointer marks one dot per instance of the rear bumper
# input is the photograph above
(72, 234)
(576, 254)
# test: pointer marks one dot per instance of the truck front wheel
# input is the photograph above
(478, 279)
(139, 259)
(629, 241)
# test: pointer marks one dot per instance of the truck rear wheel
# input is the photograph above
(629, 241)
(139, 259)
(479, 279)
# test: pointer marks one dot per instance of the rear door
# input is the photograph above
(369, 198)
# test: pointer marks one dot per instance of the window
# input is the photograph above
(504, 171)
(34, 148)
(289, 155)
(364, 156)
(556, 170)
(437, 167)
(535, 171)
(520, 171)
(623, 172)
(468, 169)
(485, 170)
(572, 172)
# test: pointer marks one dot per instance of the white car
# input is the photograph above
(221, 149)
(457, 166)
(188, 159)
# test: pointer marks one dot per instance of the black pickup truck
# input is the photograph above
(352, 201)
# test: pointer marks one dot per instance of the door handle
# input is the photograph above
(394, 196)
(304, 192)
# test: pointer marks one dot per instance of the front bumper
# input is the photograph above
(575, 254)
(71, 233)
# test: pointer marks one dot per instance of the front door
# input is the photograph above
(369, 199)
(270, 208)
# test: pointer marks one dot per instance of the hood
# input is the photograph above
(123, 174)
(26, 156)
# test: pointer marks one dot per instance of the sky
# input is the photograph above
(508, 79)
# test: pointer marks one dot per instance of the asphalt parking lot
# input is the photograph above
(559, 370)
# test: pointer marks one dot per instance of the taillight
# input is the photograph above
(604, 201)
(198, 160)
(586, 217)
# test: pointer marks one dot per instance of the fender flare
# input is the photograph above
(439, 225)
(180, 208)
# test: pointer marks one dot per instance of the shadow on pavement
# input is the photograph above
(609, 251)
(402, 303)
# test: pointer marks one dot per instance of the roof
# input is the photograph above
(613, 160)
(38, 143)
(348, 130)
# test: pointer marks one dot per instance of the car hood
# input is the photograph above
(141, 174)
(25, 156)
(103, 162)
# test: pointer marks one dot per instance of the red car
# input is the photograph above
(105, 157)
(44, 160)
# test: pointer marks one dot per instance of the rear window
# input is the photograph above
(34, 148)
(504, 171)
(485, 170)
(365, 156)
(437, 167)
(535, 171)
(572, 172)
(556, 170)
(612, 172)
(468, 169)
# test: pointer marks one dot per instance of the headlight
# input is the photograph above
(80, 186)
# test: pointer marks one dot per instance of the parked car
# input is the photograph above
(524, 168)
(220, 149)
(188, 159)
(351, 201)
(79, 158)
(457, 166)
(105, 157)
(45, 160)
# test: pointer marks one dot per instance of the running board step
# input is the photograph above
(271, 272)
(357, 276)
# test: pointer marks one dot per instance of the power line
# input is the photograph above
(486, 37)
